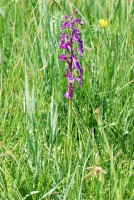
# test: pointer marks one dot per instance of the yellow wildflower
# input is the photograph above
(103, 23)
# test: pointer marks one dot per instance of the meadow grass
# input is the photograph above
(34, 112)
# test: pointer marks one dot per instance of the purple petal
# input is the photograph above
(63, 36)
(78, 21)
(63, 57)
(70, 78)
(69, 93)
(75, 38)
(77, 66)
(79, 79)
(66, 75)
(64, 25)
(80, 71)
(80, 42)
(68, 44)
(76, 31)
(75, 11)
(80, 51)
(67, 69)
(76, 63)
(66, 17)
(71, 24)
(63, 46)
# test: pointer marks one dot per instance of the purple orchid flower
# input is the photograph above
(73, 44)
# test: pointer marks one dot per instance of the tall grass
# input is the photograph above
(33, 110)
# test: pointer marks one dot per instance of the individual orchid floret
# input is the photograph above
(69, 92)
(70, 77)
(79, 21)
(63, 57)
(71, 42)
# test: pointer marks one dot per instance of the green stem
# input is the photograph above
(69, 134)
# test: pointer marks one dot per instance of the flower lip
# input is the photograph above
(66, 45)
(62, 38)
(69, 92)
(63, 46)
(63, 57)
(66, 17)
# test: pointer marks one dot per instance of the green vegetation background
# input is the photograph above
(33, 110)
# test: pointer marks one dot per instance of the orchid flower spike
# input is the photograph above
(72, 44)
